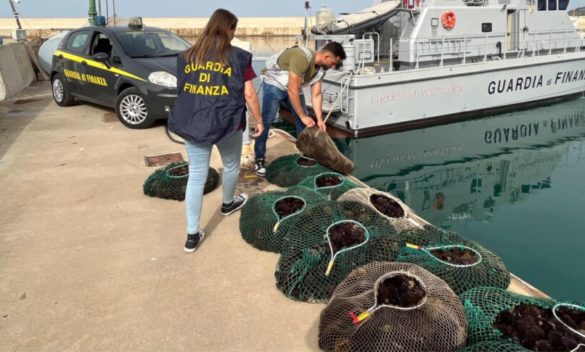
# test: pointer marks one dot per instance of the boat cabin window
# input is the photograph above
(552, 5)
(486, 27)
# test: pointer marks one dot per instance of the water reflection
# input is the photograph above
(465, 170)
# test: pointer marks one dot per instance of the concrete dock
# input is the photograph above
(89, 263)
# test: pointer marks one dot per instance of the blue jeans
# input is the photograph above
(230, 149)
(271, 99)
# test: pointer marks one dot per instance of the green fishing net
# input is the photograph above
(354, 233)
(385, 306)
(291, 169)
(538, 324)
(463, 264)
(428, 234)
(170, 182)
(331, 184)
(390, 207)
(494, 346)
(267, 217)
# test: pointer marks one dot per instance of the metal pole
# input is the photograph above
(100, 7)
(107, 11)
(15, 14)
(92, 12)
(114, 10)
(305, 33)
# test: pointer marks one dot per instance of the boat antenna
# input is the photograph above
(15, 12)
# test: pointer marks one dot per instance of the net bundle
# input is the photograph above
(326, 243)
(390, 207)
(319, 146)
(462, 263)
(267, 217)
(538, 324)
(385, 306)
(331, 184)
(170, 181)
(289, 170)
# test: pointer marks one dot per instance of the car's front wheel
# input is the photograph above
(60, 91)
(132, 110)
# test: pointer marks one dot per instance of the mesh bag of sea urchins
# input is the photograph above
(462, 263)
(384, 306)
(331, 184)
(268, 216)
(170, 182)
(326, 243)
(390, 207)
(289, 170)
(495, 346)
(538, 324)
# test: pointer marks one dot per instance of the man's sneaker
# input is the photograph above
(237, 204)
(260, 167)
(193, 241)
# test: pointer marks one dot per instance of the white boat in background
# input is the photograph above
(48, 48)
(424, 62)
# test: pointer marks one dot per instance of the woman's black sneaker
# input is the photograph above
(193, 241)
(236, 204)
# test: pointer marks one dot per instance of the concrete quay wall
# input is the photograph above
(16, 71)
(188, 27)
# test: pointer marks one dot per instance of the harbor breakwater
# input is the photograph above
(186, 27)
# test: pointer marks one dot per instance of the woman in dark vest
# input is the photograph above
(214, 80)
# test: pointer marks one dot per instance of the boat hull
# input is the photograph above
(399, 100)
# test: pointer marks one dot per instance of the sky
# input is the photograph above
(179, 8)
(187, 8)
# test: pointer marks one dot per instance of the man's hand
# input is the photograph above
(258, 130)
(308, 121)
(322, 125)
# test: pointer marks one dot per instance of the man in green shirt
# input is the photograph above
(286, 73)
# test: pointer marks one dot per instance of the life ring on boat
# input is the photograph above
(448, 19)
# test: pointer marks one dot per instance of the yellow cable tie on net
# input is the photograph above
(358, 319)
(329, 268)
(275, 227)
(365, 315)
(414, 246)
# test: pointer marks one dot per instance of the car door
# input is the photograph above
(99, 78)
(71, 57)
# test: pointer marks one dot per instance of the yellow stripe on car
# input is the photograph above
(96, 64)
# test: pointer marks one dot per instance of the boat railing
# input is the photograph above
(476, 2)
(463, 49)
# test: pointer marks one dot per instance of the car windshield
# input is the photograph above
(150, 44)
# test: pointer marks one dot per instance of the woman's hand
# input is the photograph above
(258, 130)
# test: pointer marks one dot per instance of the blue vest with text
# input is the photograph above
(211, 100)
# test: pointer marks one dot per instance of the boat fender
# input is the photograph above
(448, 19)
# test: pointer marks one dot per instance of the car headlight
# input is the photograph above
(163, 78)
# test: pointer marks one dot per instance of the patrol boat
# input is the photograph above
(425, 62)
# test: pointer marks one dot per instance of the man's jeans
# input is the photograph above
(271, 99)
(230, 149)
